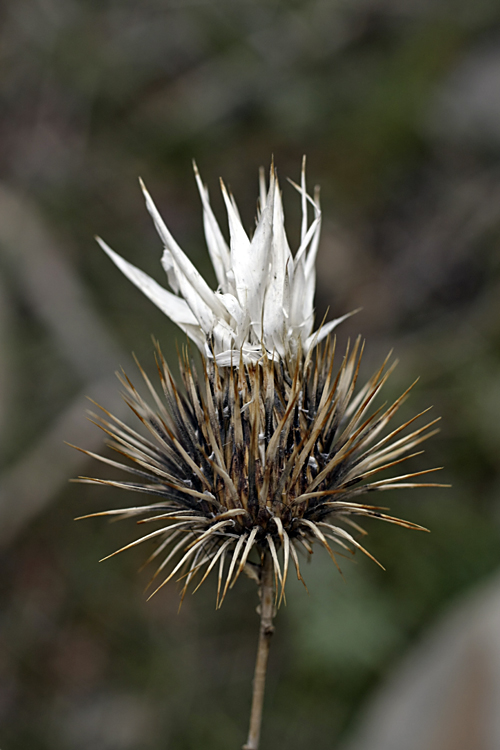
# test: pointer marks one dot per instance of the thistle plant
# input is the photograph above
(265, 452)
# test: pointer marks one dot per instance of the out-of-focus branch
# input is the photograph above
(52, 288)
(4, 360)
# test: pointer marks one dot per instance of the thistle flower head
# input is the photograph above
(269, 449)
(264, 301)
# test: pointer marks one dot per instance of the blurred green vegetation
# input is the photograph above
(383, 100)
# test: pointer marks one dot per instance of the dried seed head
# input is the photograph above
(273, 456)
(268, 450)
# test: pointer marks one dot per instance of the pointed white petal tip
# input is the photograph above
(264, 302)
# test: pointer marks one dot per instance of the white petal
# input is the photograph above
(310, 270)
(174, 307)
(323, 332)
(303, 228)
(305, 197)
(240, 247)
(233, 307)
(250, 260)
(223, 336)
(304, 279)
(262, 188)
(204, 314)
(232, 357)
(276, 301)
(182, 263)
(168, 266)
(165, 237)
(297, 292)
(259, 263)
(309, 235)
(235, 207)
(217, 246)
(311, 255)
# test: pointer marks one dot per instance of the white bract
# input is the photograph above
(264, 300)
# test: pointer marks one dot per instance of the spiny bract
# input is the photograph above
(271, 456)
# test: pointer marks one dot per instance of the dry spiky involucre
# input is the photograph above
(269, 449)
(270, 457)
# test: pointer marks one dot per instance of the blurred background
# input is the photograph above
(397, 106)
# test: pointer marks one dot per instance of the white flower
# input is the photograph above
(264, 301)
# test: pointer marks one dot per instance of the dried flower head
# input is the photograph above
(269, 449)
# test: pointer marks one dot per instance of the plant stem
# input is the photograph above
(265, 634)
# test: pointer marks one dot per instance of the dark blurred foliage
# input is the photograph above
(397, 106)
